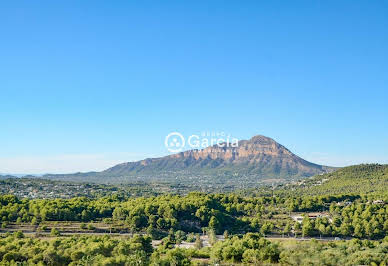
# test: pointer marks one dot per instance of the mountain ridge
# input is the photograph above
(254, 160)
(255, 150)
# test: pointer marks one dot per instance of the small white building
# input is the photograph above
(312, 215)
(297, 218)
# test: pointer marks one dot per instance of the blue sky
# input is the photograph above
(88, 84)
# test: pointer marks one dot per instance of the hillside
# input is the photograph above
(260, 159)
(363, 178)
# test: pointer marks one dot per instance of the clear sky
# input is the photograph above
(88, 84)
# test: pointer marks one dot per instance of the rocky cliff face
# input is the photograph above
(258, 145)
(260, 157)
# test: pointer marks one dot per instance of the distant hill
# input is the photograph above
(260, 159)
(363, 178)
(6, 176)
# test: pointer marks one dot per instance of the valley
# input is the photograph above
(195, 217)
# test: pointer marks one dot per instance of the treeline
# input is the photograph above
(249, 249)
(345, 215)
(75, 251)
(363, 221)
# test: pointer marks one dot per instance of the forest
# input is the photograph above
(249, 249)
(358, 216)
(262, 227)
(244, 223)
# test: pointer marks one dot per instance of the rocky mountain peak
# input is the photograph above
(258, 157)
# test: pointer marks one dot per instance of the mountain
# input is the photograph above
(260, 156)
(260, 159)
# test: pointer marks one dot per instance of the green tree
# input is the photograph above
(226, 234)
(214, 224)
(307, 228)
(287, 229)
(55, 232)
(198, 242)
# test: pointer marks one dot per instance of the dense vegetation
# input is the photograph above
(359, 179)
(250, 249)
(344, 215)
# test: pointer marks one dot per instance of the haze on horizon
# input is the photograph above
(85, 86)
